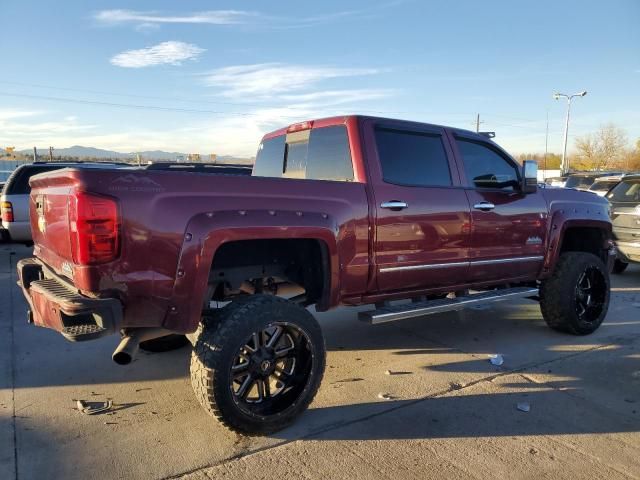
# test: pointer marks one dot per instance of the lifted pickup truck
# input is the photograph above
(339, 211)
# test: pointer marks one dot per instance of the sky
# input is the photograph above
(214, 76)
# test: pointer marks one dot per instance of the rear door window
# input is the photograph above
(316, 154)
(486, 168)
(412, 158)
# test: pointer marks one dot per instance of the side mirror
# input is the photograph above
(529, 176)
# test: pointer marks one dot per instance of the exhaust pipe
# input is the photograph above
(128, 346)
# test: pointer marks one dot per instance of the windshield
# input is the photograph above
(627, 191)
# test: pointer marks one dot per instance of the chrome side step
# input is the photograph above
(412, 310)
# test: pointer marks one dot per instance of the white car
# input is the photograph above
(602, 185)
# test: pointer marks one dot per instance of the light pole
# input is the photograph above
(564, 167)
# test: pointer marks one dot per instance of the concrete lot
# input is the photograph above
(450, 414)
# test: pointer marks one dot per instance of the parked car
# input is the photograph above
(339, 211)
(584, 180)
(14, 202)
(625, 214)
(556, 181)
(602, 185)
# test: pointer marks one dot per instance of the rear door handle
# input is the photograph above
(484, 206)
(394, 205)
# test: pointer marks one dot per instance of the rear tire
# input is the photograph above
(619, 266)
(258, 364)
(575, 299)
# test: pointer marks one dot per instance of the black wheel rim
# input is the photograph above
(271, 370)
(591, 291)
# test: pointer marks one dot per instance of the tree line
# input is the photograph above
(605, 149)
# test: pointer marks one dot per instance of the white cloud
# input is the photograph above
(212, 17)
(338, 97)
(164, 53)
(14, 130)
(236, 17)
(10, 114)
(267, 79)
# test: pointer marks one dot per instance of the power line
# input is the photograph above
(123, 105)
(177, 99)
(115, 94)
(162, 108)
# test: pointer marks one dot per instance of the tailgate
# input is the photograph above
(49, 216)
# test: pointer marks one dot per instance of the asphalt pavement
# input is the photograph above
(411, 399)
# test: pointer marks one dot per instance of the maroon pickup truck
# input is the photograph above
(340, 211)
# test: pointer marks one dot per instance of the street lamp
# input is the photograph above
(564, 167)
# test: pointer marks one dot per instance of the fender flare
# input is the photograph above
(206, 232)
(561, 221)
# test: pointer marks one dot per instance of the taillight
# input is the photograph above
(7, 211)
(94, 224)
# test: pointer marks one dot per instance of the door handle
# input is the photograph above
(394, 205)
(484, 206)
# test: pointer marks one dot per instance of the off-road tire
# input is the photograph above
(558, 294)
(215, 350)
(164, 344)
(619, 266)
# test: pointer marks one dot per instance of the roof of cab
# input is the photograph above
(341, 120)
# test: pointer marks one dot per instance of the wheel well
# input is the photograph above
(585, 239)
(271, 266)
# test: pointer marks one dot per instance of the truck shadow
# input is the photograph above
(591, 393)
(28, 437)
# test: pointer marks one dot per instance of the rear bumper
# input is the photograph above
(629, 251)
(55, 304)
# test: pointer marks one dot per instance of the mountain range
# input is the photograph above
(91, 152)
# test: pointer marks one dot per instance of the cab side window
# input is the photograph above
(486, 168)
(413, 159)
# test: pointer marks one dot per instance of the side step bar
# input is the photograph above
(412, 310)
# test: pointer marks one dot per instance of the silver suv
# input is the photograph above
(14, 202)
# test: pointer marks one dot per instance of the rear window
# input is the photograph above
(18, 183)
(579, 181)
(626, 191)
(602, 186)
(412, 158)
(316, 154)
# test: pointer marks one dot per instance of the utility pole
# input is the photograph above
(478, 123)
(35, 154)
(546, 146)
(51, 154)
(564, 166)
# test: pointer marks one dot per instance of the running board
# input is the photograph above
(412, 310)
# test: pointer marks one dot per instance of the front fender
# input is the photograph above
(206, 232)
(566, 218)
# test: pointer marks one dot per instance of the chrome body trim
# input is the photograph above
(432, 266)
